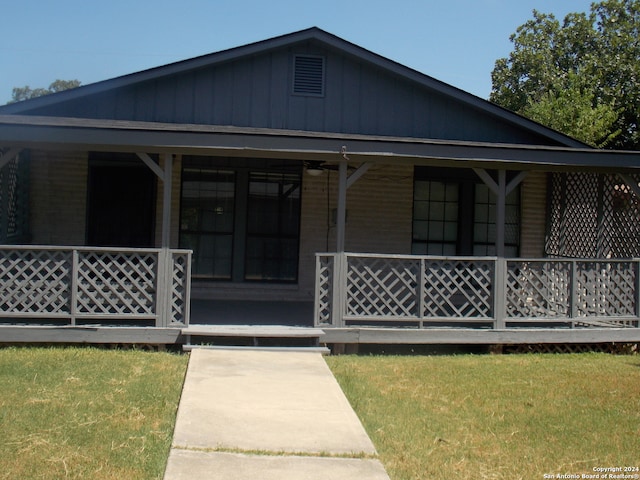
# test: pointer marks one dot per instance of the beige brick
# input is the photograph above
(533, 221)
(58, 198)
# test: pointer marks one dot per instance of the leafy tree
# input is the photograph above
(581, 76)
(25, 93)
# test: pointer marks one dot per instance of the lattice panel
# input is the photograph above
(116, 283)
(324, 277)
(605, 289)
(593, 216)
(14, 199)
(179, 282)
(35, 281)
(458, 288)
(621, 220)
(538, 289)
(562, 348)
(384, 287)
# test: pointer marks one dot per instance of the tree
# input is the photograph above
(581, 76)
(25, 93)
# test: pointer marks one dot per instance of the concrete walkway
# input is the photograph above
(248, 414)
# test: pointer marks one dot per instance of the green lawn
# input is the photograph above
(87, 413)
(109, 414)
(496, 417)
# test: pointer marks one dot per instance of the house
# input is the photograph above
(261, 159)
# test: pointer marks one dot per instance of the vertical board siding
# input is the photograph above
(260, 107)
(184, 99)
(203, 96)
(145, 94)
(278, 100)
(242, 94)
(256, 91)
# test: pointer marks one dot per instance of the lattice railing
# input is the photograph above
(424, 291)
(325, 268)
(382, 287)
(361, 288)
(538, 289)
(458, 288)
(583, 292)
(95, 285)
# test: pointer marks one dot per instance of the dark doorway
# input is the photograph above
(120, 203)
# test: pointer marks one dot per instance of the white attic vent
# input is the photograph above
(308, 75)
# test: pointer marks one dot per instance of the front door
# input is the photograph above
(120, 204)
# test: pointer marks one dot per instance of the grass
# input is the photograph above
(109, 414)
(496, 417)
(87, 413)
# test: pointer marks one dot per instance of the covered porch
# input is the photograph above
(370, 297)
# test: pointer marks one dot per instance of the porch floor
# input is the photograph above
(242, 312)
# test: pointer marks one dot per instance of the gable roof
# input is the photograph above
(56, 102)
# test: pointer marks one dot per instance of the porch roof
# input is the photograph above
(60, 133)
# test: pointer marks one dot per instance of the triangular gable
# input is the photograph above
(255, 86)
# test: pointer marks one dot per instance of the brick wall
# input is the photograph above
(379, 209)
(533, 210)
(379, 215)
(58, 197)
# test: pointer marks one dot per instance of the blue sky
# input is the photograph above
(456, 41)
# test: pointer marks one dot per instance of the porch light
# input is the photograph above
(314, 168)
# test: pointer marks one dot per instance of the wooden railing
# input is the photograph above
(84, 285)
(423, 291)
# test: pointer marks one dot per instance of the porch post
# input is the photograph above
(165, 176)
(165, 253)
(500, 294)
(501, 212)
(501, 189)
(344, 182)
(341, 261)
(166, 200)
(165, 265)
(341, 214)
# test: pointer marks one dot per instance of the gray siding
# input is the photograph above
(256, 91)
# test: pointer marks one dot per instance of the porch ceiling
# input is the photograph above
(127, 136)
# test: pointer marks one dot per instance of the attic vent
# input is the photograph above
(308, 76)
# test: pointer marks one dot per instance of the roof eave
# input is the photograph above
(83, 135)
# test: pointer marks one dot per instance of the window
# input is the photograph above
(207, 220)
(241, 218)
(273, 219)
(454, 213)
(484, 224)
(435, 217)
